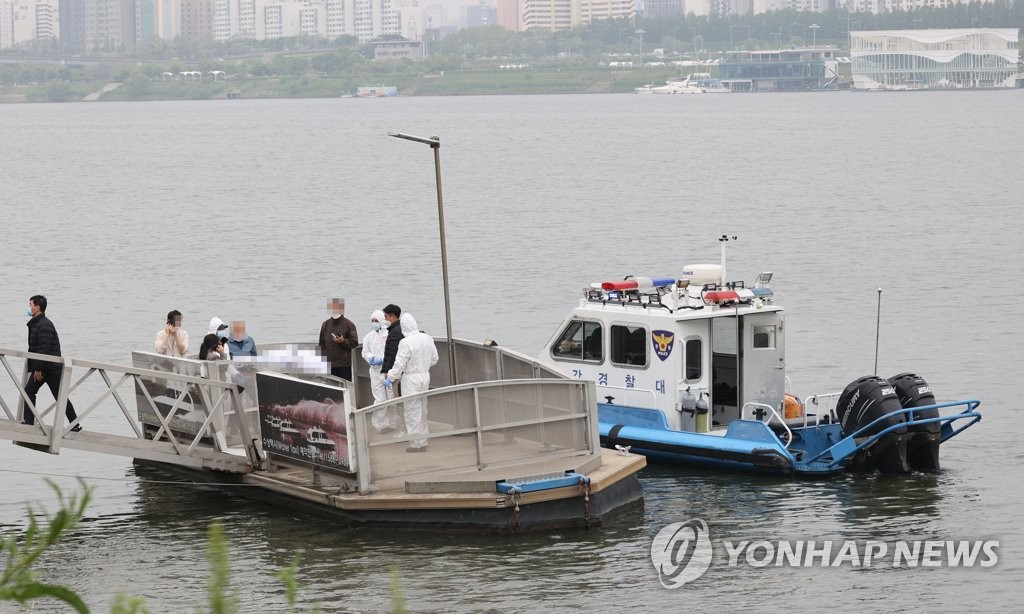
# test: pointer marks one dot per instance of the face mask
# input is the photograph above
(28, 311)
(375, 325)
(335, 315)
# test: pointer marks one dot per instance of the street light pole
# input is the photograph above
(435, 143)
(640, 33)
(814, 32)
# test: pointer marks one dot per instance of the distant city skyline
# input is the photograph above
(99, 26)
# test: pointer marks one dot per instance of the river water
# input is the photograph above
(262, 210)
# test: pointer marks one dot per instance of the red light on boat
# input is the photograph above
(629, 284)
(719, 296)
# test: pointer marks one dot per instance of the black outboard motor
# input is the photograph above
(923, 439)
(864, 401)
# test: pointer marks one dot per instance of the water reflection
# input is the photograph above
(341, 562)
(740, 506)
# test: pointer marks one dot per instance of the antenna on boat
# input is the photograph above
(878, 327)
(723, 240)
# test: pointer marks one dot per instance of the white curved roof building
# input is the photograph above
(930, 59)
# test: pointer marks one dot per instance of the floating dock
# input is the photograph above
(512, 446)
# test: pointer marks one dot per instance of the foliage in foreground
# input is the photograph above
(19, 582)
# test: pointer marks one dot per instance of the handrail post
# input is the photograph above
(248, 442)
(593, 430)
(21, 396)
(57, 432)
(479, 431)
(362, 452)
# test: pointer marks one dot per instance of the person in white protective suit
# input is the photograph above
(416, 354)
(384, 420)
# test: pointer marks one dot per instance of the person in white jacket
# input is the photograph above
(416, 354)
(219, 328)
(385, 420)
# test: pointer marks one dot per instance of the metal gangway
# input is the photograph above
(182, 415)
(207, 415)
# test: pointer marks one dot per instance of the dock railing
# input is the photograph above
(474, 362)
(166, 401)
(478, 426)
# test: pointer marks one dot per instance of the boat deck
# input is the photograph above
(446, 488)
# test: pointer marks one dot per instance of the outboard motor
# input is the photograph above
(861, 403)
(923, 439)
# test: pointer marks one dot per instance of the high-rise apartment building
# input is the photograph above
(27, 20)
(197, 19)
(167, 19)
(145, 22)
(558, 15)
(97, 26)
(663, 8)
(510, 15)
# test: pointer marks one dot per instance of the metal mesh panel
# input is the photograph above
(244, 377)
(182, 403)
(475, 363)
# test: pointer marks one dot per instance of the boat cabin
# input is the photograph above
(696, 348)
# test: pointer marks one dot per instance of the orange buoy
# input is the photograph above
(793, 407)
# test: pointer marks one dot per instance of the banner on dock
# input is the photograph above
(303, 421)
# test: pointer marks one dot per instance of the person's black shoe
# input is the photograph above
(76, 428)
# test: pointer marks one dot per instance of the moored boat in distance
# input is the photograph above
(704, 81)
(685, 86)
(692, 370)
(676, 86)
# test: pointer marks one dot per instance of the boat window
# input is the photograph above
(580, 340)
(692, 366)
(764, 337)
(629, 345)
(724, 336)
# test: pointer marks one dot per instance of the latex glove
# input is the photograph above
(387, 383)
(374, 361)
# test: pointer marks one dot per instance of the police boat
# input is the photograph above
(692, 370)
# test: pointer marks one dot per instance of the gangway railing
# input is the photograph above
(97, 390)
(478, 426)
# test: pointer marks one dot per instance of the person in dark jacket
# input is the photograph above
(392, 313)
(337, 338)
(43, 339)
